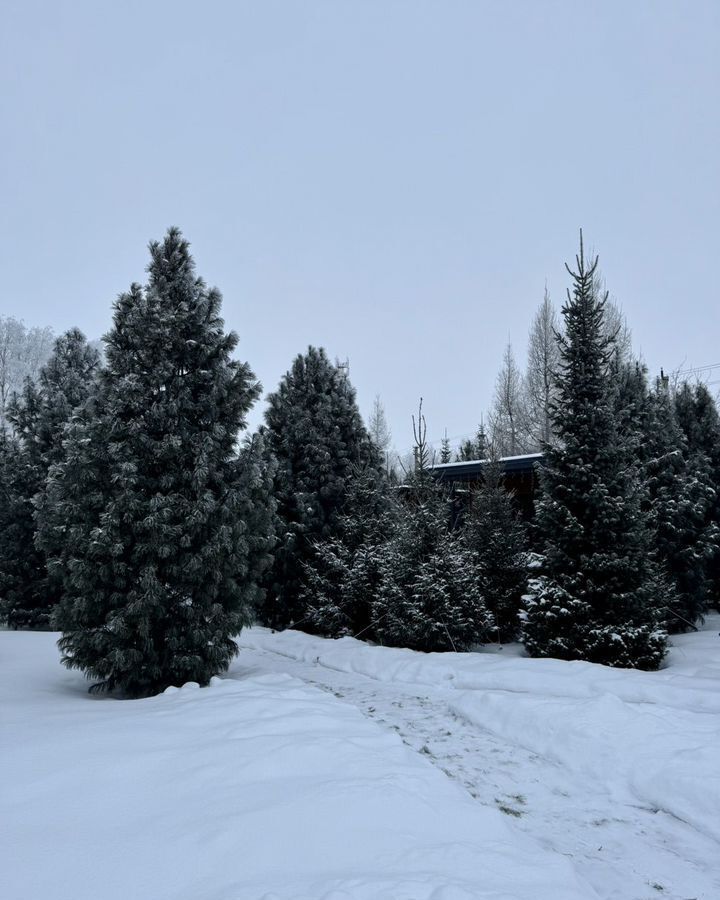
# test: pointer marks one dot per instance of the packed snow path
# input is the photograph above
(618, 831)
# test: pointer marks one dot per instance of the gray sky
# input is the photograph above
(392, 180)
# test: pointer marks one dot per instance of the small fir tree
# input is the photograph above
(315, 432)
(445, 451)
(494, 533)
(257, 513)
(428, 595)
(472, 449)
(150, 505)
(482, 447)
(343, 577)
(467, 451)
(599, 596)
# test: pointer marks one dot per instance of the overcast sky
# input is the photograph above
(395, 181)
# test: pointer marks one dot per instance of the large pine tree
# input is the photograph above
(148, 512)
(38, 417)
(316, 434)
(599, 596)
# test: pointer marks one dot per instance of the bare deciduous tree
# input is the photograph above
(381, 437)
(508, 415)
(423, 455)
(23, 351)
(542, 363)
(614, 323)
(378, 427)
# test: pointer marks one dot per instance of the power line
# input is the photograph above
(697, 369)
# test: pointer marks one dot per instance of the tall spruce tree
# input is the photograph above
(38, 417)
(679, 494)
(147, 513)
(315, 432)
(698, 417)
(681, 503)
(599, 596)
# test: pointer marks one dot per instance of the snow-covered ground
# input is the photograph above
(331, 770)
(618, 771)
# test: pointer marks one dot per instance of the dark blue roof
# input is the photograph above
(464, 471)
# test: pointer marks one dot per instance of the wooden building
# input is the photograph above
(519, 477)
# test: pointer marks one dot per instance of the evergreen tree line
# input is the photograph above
(138, 521)
(412, 567)
(625, 537)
